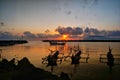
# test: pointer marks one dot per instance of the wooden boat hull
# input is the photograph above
(57, 43)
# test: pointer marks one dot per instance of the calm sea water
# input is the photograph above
(36, 50)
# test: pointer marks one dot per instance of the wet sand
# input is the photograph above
(96, 72)
(87, 71)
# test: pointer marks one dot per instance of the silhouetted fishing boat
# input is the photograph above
(56, 43)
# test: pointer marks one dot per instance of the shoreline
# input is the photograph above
(81, 40)
(12, 42)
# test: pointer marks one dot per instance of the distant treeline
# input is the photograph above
(81, 40)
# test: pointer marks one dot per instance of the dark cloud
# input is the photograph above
(2, 24)
(40, 35)
(86, 30)
(53, 35)
(95, 2)
(101, 32)
(76, 17)
(88, 3)
(113, 33)
(73, 36)
(8, 36)
(91, 2)
(61, 30)
(26, 35)
(29, 35)
(68, 12)
(70, 30)
(5, 35)
(75, 32)
(93, 31)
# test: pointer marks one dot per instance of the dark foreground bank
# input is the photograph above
(24, 70)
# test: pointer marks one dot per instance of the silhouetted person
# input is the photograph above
(75, 59)
(110, 59)
(52, 60)
(48, 57)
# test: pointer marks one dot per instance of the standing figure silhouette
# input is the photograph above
(110, 59)
(75, 59)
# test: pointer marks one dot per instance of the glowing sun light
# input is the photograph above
(65, 36)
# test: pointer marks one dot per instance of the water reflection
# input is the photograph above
(36, 50)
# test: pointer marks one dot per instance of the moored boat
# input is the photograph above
(56, 43)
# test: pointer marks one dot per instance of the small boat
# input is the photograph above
(56, 43)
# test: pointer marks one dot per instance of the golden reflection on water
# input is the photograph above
(36, 50)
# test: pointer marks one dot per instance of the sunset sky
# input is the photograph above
(36, 16)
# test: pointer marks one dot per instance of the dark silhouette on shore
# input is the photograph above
(75, 59)
(110, 59)
(64, 76)
(52, 60)
(26, 71)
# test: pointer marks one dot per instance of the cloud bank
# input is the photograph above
(73, 32)
(86, 31)
(69, 30)
(8, 36)
(29, 35)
